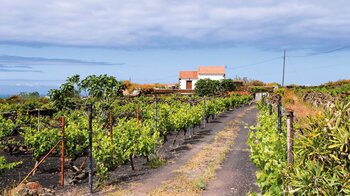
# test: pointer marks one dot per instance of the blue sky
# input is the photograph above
(150, 41)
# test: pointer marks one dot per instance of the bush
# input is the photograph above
(228, 85)
(321, 154)
(208, 87)
(4, 165)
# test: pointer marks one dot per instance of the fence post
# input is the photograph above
(290, 137)
(38, 120)
(41, 161)
(62, 153)
(155, 113)
(137, 112)
(111, 124)
(204, 116)
(90, 145)
(190, 131)
(155, 120)
(263, 98)
(190, 100)
(279, 112)
(270, 109)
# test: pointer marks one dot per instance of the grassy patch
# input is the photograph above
(155, 163)
(201, 184)
(122, 189)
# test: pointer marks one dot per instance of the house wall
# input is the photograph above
(211, 76)
(200, 76)
(183, 83)
(259, 96)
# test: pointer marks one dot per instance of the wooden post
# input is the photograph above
(90, 146)
(62, 153)
(37, 165)
(155, 113)
(279, 112)
(190, 101)
(38, 120)
(137, 112)
(111, 124)
(155, 122)
(263, 98)
(204, 116)
(290, 137)
(190, 128)
(270, 109)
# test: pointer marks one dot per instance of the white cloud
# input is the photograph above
(27, 62)
(174, 23)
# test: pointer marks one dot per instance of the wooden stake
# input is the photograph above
(62, 153)
(155, 119)
(155, 113)
(111, 124)
(38, 120)
(138, 112)
(37, 165)
(90, 146)
(204, 116)
(290, 138)
(279, 113)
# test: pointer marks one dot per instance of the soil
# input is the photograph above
(237, 174)
(47, 174)
(241, 176)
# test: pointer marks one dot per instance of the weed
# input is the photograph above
(201, 184)
(155, 162)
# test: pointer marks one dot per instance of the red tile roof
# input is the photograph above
(211, 70)
(188, 75)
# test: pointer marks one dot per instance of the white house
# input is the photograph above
(188, 79)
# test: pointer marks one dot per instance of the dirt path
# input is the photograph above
(154, 183)
(237, 175)
(167, 172)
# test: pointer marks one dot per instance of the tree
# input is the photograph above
(102, 86)
(228, 85)
(62, 98)
(204, 87)
(208, 87)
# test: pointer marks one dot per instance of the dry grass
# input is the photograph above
(301, 109)
(75, 192)
(192, 178)
(120, 190)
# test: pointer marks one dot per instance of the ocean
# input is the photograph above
(4, 96)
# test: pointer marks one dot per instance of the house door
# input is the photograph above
(189, 85)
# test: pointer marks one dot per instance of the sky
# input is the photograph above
(149, 41)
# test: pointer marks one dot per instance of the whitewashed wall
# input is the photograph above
(212, 77)
(200, 76)
(183, 83)
(259, 96)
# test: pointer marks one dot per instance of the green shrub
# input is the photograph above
(4, 165)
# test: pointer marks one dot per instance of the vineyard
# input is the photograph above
(320, 146)
(300, 144)
(122, 130)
